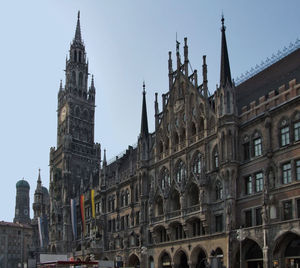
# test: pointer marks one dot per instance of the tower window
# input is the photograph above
(79, 56)
(75, 55)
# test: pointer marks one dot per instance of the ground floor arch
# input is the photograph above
(164, 261)
(134, 261)
(252, 255)
(199, 258)
(286, 251)
(181, 260)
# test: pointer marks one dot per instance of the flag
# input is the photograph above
(93, 203)
(82, 213)
(74, 218)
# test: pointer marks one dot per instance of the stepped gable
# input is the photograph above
(278, 74)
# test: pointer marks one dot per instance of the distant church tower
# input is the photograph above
(76, 160)
(22, 211)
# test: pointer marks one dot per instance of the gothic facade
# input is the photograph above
(218, 179)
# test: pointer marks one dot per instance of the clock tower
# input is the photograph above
(74, 164)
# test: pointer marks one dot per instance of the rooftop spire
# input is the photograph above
(225, 75)
(78, 31)
(144, 121)
(39, 181)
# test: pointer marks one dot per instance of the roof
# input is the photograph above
(22, 183)
(12, 224)
(271, 78)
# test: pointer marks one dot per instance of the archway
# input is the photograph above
(180, 260)
(199, 258)
(252, 256)
(165, 261)
(134, 261)
(287, 250)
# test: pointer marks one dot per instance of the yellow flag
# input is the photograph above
(93, 203)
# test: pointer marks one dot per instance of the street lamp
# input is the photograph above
(240, 237)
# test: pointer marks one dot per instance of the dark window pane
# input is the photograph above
(248, 218)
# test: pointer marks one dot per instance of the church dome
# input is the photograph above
(22, 184)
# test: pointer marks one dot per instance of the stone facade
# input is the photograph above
(219, 174)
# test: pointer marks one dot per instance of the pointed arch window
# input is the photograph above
(75, 55)
(73, 78)
(79, 56)
(165, 178)
(80, 80)
(197, 164)
(219, 190)
(215, 157)
(180, 172)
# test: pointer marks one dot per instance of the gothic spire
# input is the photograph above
(225, 75)
(39, 181)
(144, 121)
(78, 31)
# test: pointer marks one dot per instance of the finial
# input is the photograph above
(78, 15)
(222, 20)
(144, 91)
(60, 85)
(39, 177)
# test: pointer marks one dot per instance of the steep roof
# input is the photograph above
(271, 78)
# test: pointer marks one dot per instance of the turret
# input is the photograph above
(22, 211)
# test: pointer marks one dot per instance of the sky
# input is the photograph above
(127, 42)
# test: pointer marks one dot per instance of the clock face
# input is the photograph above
(26, 211)
(63, 114)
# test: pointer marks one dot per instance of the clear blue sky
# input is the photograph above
(127, 41)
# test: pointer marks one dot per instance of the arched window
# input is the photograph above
(180, 172)
(75, 55)
(165, 178)
(73, 80)
(215, 159)
(197, 164)
(219, 190)
(80, 81)
(80, 56)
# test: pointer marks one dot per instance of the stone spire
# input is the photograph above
(39, 181)
(225, 75)
(77, 37)
(144, 121)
